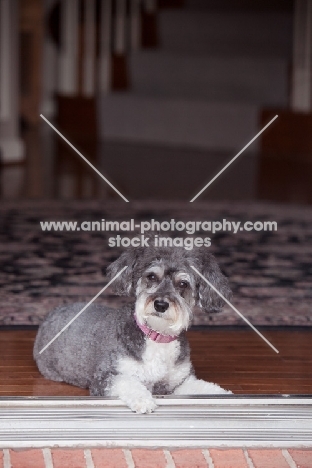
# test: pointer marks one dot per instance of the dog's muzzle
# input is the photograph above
(161, 306)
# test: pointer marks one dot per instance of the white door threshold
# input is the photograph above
(199, 421)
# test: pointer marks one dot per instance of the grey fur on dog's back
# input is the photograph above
(95, 340)
(88, 342)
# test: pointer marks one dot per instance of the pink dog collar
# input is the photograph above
(154, 335)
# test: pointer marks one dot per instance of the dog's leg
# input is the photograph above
(193, 386)
(129, 389)
(132, 392)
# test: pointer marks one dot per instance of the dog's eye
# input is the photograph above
(152, 277)
(183, 284)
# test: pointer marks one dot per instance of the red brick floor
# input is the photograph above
(144, 458)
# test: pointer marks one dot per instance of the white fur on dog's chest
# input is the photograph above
(158, 364)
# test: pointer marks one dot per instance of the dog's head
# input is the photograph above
(166, 287)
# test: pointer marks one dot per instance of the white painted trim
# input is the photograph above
(221, 421)
(89, 49)
(5, 58)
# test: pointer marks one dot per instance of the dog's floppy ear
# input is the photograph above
(124, 284)
(207, 298)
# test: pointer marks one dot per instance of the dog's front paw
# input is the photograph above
(142, 405)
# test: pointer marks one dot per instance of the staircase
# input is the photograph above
(198, 97)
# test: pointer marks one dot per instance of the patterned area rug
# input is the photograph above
(270, 272)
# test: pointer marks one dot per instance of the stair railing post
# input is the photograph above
(120, 78)
(149, 27)
(104, 68)
(68, 63)
(5, 61)
(135, 24)
(120, 27)
(301, 96)
(11, 146)
(150, 6)
(88, 59)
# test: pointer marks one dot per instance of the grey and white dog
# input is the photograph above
(140, 350)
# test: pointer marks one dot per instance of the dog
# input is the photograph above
(141, 349)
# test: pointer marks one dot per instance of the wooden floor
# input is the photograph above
(236, 359)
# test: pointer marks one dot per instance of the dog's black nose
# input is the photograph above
(161, 306)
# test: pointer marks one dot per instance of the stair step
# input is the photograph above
(245, 33)
(198, 124)
(248, 80)
(177, 172)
